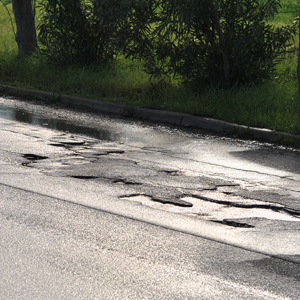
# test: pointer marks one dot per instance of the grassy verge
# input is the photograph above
(274, 105)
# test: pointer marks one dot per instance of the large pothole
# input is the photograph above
(235, 212)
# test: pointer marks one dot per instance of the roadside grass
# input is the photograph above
(274, 104)
(287, 13)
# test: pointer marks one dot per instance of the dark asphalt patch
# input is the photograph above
(34, 157)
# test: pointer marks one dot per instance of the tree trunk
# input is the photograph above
(216, 22)
(26, 31)
(298, 67)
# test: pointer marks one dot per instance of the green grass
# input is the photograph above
(274, 105)
(288, 12)
(7, 38)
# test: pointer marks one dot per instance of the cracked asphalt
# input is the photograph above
(237, 183)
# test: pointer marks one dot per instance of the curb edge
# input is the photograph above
(169, 117)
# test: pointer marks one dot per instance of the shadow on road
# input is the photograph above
(280, 159)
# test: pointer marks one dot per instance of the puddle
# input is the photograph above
(24, 116)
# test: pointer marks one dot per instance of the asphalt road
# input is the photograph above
(51, 249)
(95, 207)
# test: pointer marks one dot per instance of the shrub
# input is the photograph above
(82, 31)
(226, 42)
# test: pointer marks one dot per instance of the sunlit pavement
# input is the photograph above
(242, 193)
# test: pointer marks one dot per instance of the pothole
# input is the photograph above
(115, 151)
(170, 172)
(174, 202)
(91, 153)
(84, 177)
(233, 200)
(67, 141)
(34, 157)
(127, 182)
(157, 204)
(235, 224)
(214, 211)
(218, 211)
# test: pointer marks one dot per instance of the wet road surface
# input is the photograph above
(189, 172)
(76, 185)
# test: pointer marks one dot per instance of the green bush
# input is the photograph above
(225, 42)
(64, 32)
(82, 31)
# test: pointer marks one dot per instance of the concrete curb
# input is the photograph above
(157, 115)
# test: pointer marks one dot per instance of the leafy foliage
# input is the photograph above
(82, 31)
(226, 42)
(64, 31)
